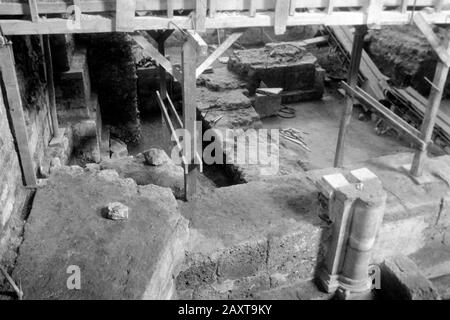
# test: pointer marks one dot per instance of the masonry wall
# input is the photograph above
(28, 55)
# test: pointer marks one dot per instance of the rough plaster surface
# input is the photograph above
(130, 259)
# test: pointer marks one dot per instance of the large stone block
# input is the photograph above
(401, 279)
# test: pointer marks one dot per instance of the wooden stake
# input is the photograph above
(429, 120)
(282, 8)
(189, 64)
(14, 102)
(358, 43)
(57, 133)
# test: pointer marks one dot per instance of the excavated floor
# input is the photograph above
(131, 259)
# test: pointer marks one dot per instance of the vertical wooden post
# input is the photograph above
(434, 101)
(170, 9)
(14, 102)
(34, 13)
(57, 133)
(201, 7)
(189, 63)
(358, 42)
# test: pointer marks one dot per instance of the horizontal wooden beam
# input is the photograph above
(158, 57)
(217, 53)
(96, 24)
(60, 6)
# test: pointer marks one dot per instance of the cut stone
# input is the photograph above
(117, 211)
(401, 279)
(267, 105)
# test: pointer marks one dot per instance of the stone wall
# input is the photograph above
(28, 56)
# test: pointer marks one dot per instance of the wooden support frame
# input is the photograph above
(201, 7)
(160, 37)
(282, 11)
(34, 12)
(158, 57)
(434, 41)
(330, 7)
(13, 100)
(212, 8)
(189, 65)
(217, 53)
(58, 133)
(357, 49)
(125, 14)
(434, 102)
(410, 132)
(196, 41)
(437, 89)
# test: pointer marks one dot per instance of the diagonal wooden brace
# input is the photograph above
(217, 53)
(158, 57)
(438, 46)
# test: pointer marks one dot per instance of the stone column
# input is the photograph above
(356, 210)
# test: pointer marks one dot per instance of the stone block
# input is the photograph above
(401, 279)
(267, 106)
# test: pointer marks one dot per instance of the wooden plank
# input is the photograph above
(212, 8)
(97, 23)
(170, 9)
(434, 41)
(189, 65)
(125, 14)
(438, 5)
(196, 40)
(34, 12)
(155, 55)
(330, 6)
(404, 6)
(373, 9)
(201, 8)
(60, 6)
(357, 49)
(51, 88)
(217, 53)
(252, 9)
(434, 101)
(281, 16)
(412, 133)
(15, 108)
(368, 69)
(292, 7)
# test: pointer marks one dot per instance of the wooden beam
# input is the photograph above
(60, 6)
(281, 16)
(358, 43)
(98, 23)
(162, 72)
(434, 41)
(200, 15)
(155, 55)
(374, 10)
(212, 8)
(57, 133)
(170, 9)
(252, 8)
(397, 122)
(189, 64)
(292, 7)
(217, 53)
(34, 12)
(196, 40)
(14, 102)
(438, 5)
(404, 6)
(434, 102)
(125, 14)
(330, 6)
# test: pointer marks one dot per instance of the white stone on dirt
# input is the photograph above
(155, 157)
(55, 163)
(118, 149)
(117, 211)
